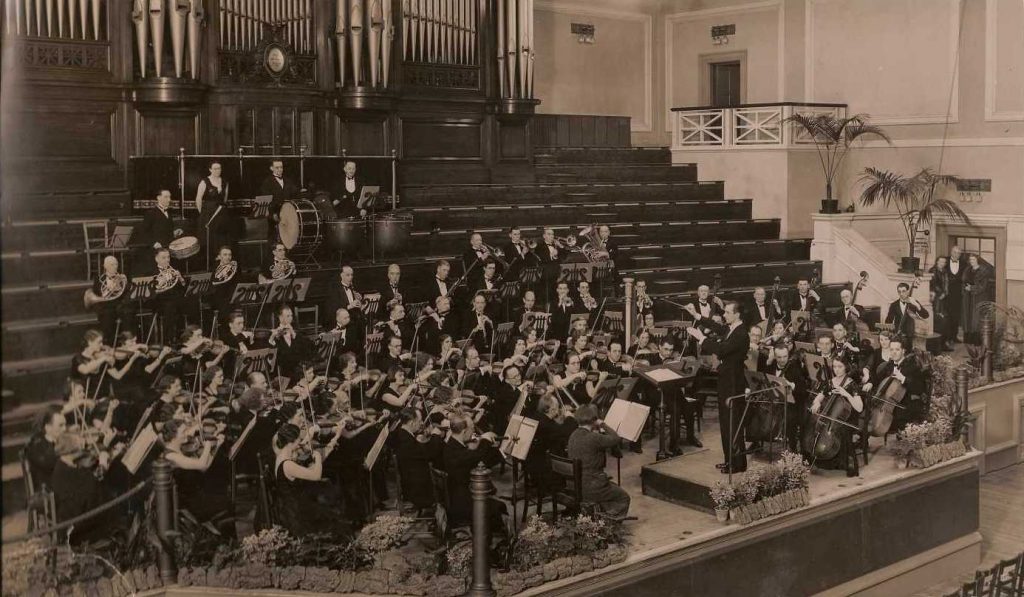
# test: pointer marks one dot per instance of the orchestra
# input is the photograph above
(446, 377)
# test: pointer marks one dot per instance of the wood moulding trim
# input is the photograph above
(647, 20)
(693, 15)
(892, 119)
(992, 66)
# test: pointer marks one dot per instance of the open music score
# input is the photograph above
(288, 290)
(518, 437)
(262, 360)
(662, 375)
(140, 448)
(627, 418)
(378, 446)
(199, 284)
(237, 446)
(814, 363)
(141, 288)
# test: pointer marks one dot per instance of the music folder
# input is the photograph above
(518, 437)
(627, 418)
(378, 445)
(237, 446)
(367, 196)
(660, 374)
(137, 452)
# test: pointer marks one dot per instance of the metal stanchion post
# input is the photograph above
(962, 386)
(987, 331)
(481, 488)
(163, 487)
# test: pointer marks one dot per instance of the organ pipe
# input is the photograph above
(341, 29)
(156, 24)
(195, 21)
(389, 38)
(178, 13)
(96, 19)
(356, 38)
(139, 16)
(375, 19)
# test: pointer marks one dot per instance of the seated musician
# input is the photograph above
(504, 395)
(449, 355)
(790, 370)
(826, 347)
(589, 444)
(516, 253)
(279, 267)
(168, 295)
(478, 326)
(396, 355)
(303, 496)
(440, 284)
(848, 310)
(476, 376)
(40, 452)
(850, 352)
(805, 298)
(393, 291)
(344, 295)
(779, 336)
(555, 424)
(198, 348)
(397, 393)
(311, 389)
(880, 355)
(528, 305)
(616, 363)
(757, 346)
(488, 279)
(89, 366)
(641, 349)
(688, 405)
(292, 348)
(473, 258)
(350, 335)
(460, 455)
(903, 366)
(253, 404)
(587, 303)
(579, 342)
(397, 326)
(225, 274)
(191, 454)
(237, 337)
(759, 310)
(435, 323)
(904, 310)
(214, 392)
(604, 234)
(77, 488)
(414, 451)
(113, 310)
(561, 312)
(643, 302)
(840, 386)
(574, 382)
(707, 307)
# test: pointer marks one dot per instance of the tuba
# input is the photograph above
(167, 279)
(225, 272)
(111, 288)
(282, 269)
(594, 249)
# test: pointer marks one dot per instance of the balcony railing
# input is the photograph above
(744, 126)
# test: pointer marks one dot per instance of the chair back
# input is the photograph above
(266, 490)
(26, 474)
(572, 471)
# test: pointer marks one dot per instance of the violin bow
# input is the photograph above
(99, 384)
(597, 316)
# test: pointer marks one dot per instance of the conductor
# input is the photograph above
(730, 342)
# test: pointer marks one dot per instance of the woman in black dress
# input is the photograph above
(214, 217)
(979, 287)
(191, 471)
(842, 386)
(574, 382)
(940, 299)
(305, 501)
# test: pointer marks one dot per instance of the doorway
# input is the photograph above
(989, 242)
(722, 79)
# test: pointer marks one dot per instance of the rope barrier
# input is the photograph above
(81, 517)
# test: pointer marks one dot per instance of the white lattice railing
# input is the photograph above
(756, 125)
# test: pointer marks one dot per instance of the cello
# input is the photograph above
(884, 401)
(821, 439)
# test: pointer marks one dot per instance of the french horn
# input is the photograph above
(111, 288)
(225, 272)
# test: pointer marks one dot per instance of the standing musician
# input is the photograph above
(589, 444)
(759, 310)
(644, 303)
(394, 292)
(842, 386)
(157, 228)
(344, 295)
(292, 348)
(346, 206)
(561, 312)
(550, 253)
(731, 350)
(108, 299)
(478, 326)
(215, 222)
(169, 290)
(280, 189)
(223, 281)
(279, 267)
(904, 310)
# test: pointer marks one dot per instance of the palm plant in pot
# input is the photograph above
(916, 199)
(833, 136)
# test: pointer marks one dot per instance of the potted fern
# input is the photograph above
(832, 136)
(915, 198)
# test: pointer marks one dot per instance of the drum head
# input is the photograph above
(288, 227)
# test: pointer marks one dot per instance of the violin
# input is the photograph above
(886, 398)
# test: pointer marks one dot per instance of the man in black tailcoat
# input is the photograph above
(954, 299)
(281, 189)
(414, 455)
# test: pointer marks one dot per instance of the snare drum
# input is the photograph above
(184, 247)
(346, 235)
(391, 232)
(300, 226)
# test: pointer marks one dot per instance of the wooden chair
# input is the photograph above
(439, 482)
(422, 525)
(42, 512)
(571, 496)
(1008, 577)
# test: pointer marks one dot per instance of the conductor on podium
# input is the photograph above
(730, 342)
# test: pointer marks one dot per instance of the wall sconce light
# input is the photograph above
(720, 34)
(584, 32)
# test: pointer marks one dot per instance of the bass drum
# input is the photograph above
(346, 235)
(391, 232)
(300, 227)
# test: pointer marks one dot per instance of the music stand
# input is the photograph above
(373, 344)
(368, 196)
(509, 292)
(120, 237)
(614, 322)
(371, 305)
(668, 378)
(601, 272)
(574, 273)
(501, 335)
(771, 391)
(529, 276)
(413, 310)
(261, 206)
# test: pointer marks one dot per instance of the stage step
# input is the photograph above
(39, 379)
(616, 173)
(63, 265)
(29, 339)
(473, 194)
(682, 279)
(688, 254)
(603, 155)
(537, 214)
(13, 488)
(55, 234)
(456, 241)
(68, 204)
(35, 300)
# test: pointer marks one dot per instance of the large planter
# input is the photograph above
(722, 514)
(909, 265)
(829, 206)
(934, 454)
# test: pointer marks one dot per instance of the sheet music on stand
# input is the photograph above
(813, 364)
(627, 418)
(378, 446)
(798, 320)
(413, 310)
(139, 449)
(529, 276)
(371, 304)
(262, 360)
(324, 342)
(537, 320)
(237, 446)
(198, 284)
(261, 206)
(141, 288)
(518, 437)
(660, 375)
(502, 333)
(574, 273)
